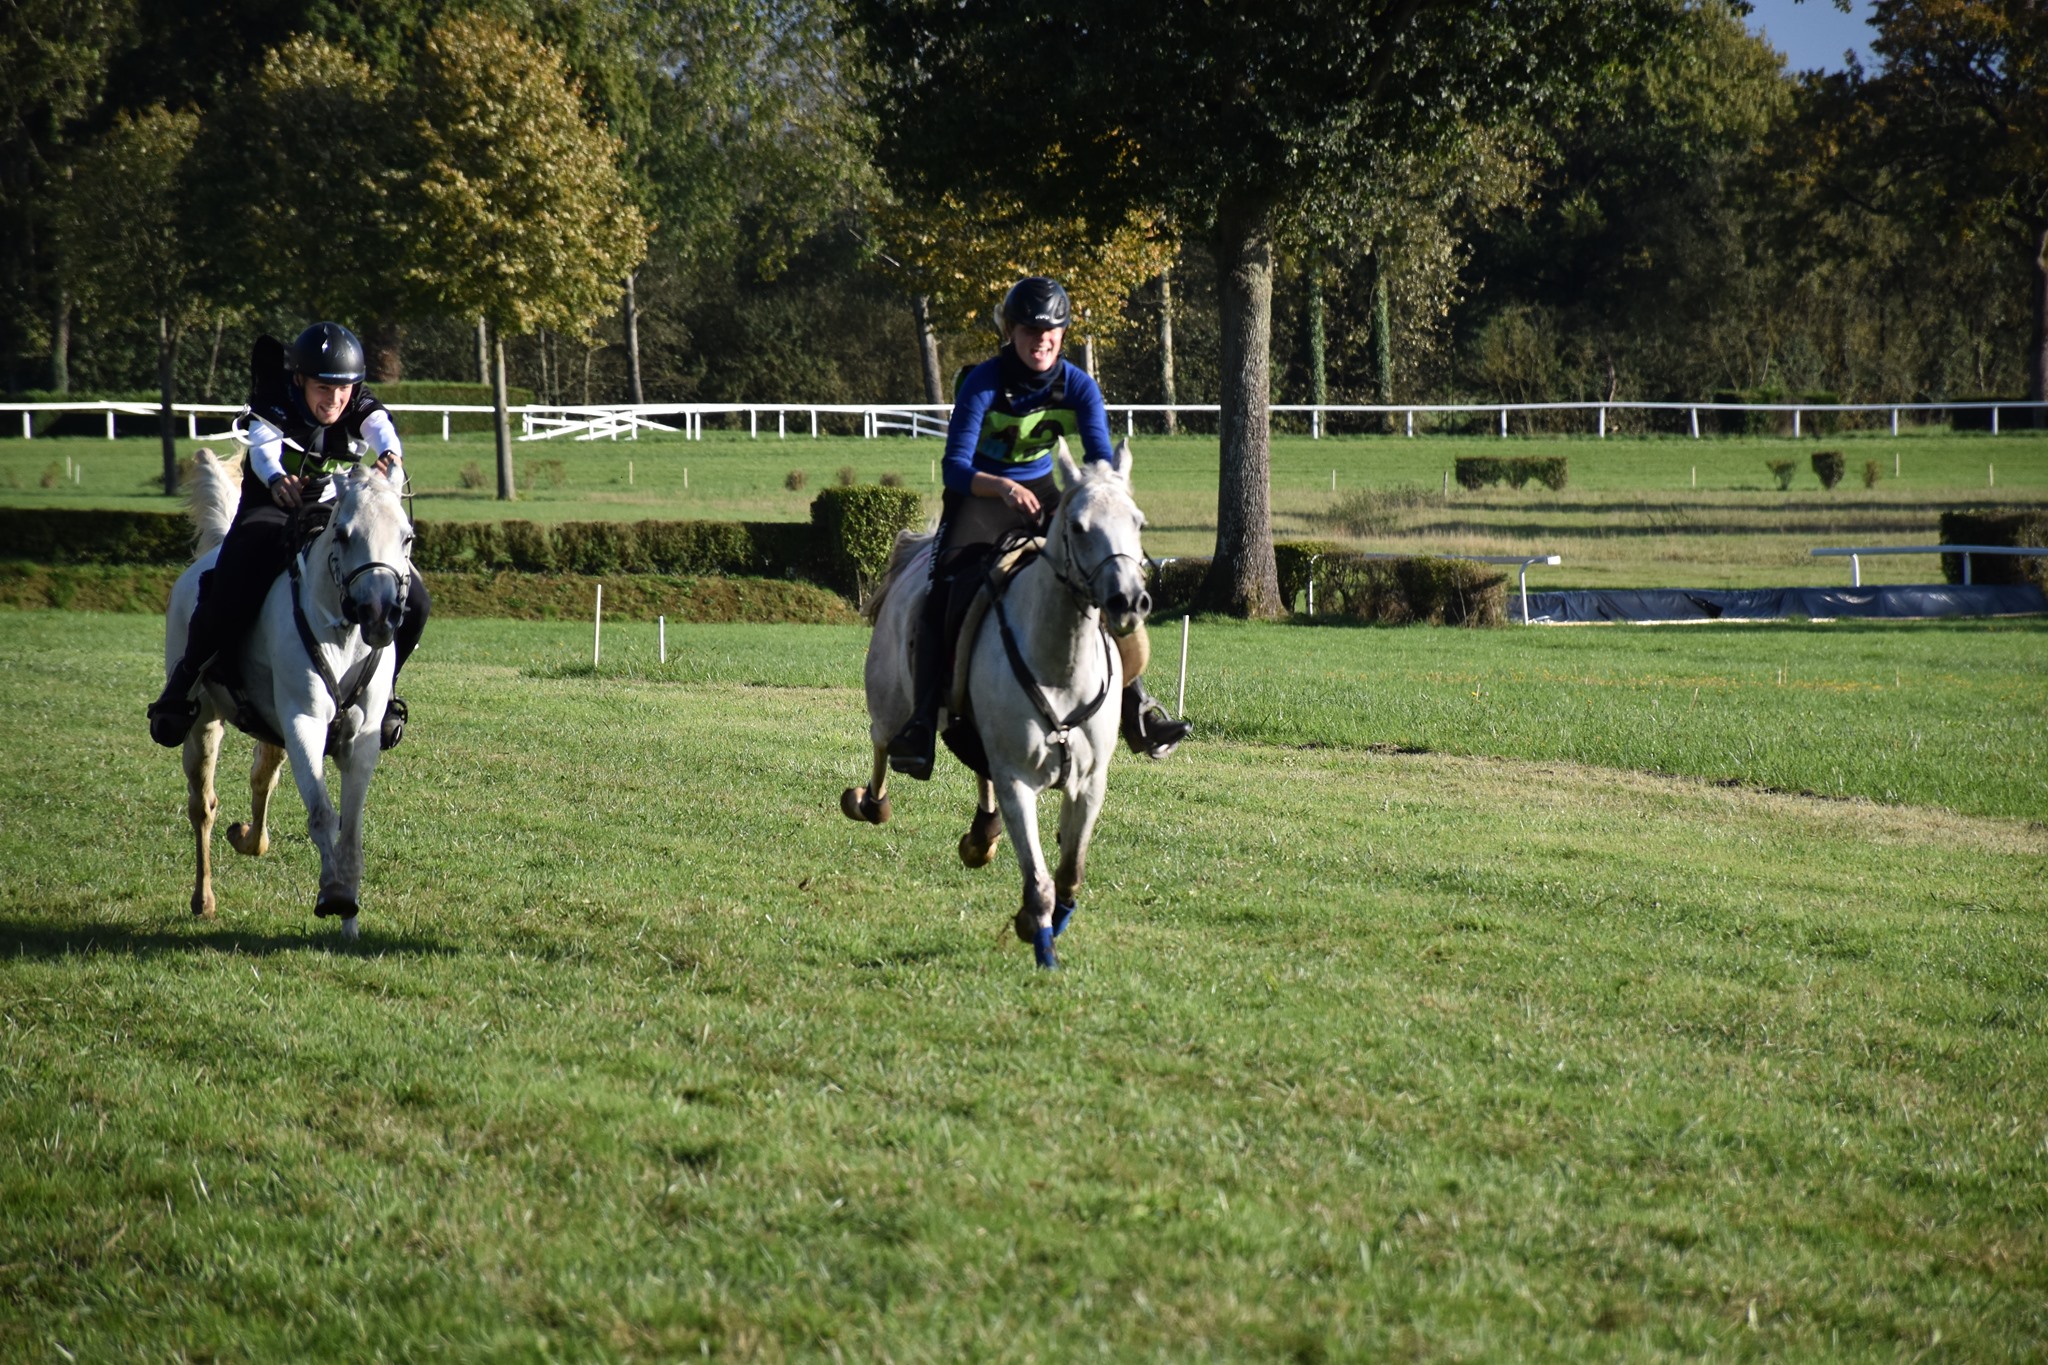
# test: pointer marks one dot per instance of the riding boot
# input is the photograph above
(1147, 727)
(172, 713)
(914, 750)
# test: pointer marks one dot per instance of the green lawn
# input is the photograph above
(1638, 511)
(1503, 1049)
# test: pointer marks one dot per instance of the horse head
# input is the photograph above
(1093, 543)
(369, 554)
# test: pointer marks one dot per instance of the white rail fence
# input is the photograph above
(1855, 554)
(611, 421)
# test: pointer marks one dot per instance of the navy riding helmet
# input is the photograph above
(327, 351)
(1038, 302)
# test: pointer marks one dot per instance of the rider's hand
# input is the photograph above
(284, 491)
(1020, 498)
(387, 464)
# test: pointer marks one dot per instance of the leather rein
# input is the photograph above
(318, 656)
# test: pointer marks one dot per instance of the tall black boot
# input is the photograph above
(1147, 727)
(172, 713)
(914, 750)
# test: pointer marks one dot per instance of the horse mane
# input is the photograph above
(211, 498)
(908, 545)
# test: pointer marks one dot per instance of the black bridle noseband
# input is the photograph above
(1086, 594)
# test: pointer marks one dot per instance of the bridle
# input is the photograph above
(1086, 594)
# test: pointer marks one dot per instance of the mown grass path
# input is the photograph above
(647, 1051)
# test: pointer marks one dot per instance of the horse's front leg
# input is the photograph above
(306, 744)
(202, 751)
(1019, 803)
(870, 803)
(357, 765)
(253, 839)
(1078, 812)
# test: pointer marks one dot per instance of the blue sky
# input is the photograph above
(1812, 33)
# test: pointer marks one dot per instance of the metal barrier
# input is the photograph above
(1856, 554)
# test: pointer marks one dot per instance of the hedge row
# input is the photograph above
(1479, 471)
(845, 546)
(1997, 526)
(1352, 587)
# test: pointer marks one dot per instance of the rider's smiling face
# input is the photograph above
(325, 401)
(1037, 347)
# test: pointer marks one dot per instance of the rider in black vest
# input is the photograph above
(308, 419)
(1009, 414)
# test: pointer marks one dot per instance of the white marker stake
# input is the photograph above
(629, 473)
(1333, 481)
(686, 478)
(661, 627)
(1180, 708)
(597, 629)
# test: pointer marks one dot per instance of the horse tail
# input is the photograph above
(909, 544)
(211, 500)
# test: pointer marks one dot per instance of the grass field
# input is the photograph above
(1406, 1014)
(1638, 512)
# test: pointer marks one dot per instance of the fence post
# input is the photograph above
(814, 424)
(28, 426)
(1315, 424)
(1503, 424)
(1695, 424)
(1895, 421)
(444, 424)
(781, 424)
(1994, 421)
(753, 424)
(1411, 421)
(110, 424)
(1603, 421)
(1795, 424)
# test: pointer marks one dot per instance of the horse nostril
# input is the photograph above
(1144, 604)
(1118, 604)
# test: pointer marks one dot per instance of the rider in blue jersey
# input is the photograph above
(1008, 417)
(309, 418)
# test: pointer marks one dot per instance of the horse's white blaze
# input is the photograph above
(368, 528)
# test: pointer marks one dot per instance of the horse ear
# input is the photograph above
(1070, 473)
(1121, 462)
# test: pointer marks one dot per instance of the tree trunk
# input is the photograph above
(501, 421)
(483, 352)
(1243, 579)
(1382, 338)
(2037, 356)
(382, 341)
(928, 349)
(1166, 349)
(633, 343)
(167, 382)
(1318, 350)
(60, 343)
(220, 325)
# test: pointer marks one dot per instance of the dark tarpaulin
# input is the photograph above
(1895, 602)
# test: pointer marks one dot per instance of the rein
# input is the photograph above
(1078, 716)
(317, 656)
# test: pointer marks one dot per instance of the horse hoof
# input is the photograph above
(343, 906)
(349, 932)
(1026, 925)
(850, 802)
(858, 803)
(248, 842)
(1062, 911)
(877, 812)
(202, 906)
(976, 854)
(1041, 948)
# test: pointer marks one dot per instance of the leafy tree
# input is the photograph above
(123, 251)
(298, 187)
(523, 216)
(1954, 129)
(1227, 115)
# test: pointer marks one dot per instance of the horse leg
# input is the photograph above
(1034, 919)
(1078, 812)
(870, 803)
(202, 750)
(253, 838)
(306, 743)
(978, 844)
(358, 765)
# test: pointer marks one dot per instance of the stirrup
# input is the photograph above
(393, 728)
(1147, 727)
(914, 750)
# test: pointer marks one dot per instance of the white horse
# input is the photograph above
(1043, 684)
(316, 670)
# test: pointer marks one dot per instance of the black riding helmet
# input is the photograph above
(1038, 301)
(327, 351)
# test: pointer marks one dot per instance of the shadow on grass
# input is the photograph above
(27, 938)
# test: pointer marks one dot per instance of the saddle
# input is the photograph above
(964, 616)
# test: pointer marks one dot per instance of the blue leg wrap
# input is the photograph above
(1041, 948)
(1062, 911)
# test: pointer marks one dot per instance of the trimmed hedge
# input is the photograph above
(1351, 587)
(1997, 526)
(845, 546)
(1480, 471)
(1828, 467)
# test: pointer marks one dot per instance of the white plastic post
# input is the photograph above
(1180, 706)
(1503, 424)
(781, 425)
(1603, 421)
(661, 632)
(110, 424)
(1855, 571)
(753, 424)
(1333, 481)
(1795, 424)
(686, 478)
(597, 628)
(1695, 424)
(1130, 423)
(1411, 421)
(629, 473)
(1895, 421)
(1994, 421)
(192, 426)
(1895, 464)
(444, 425)
(1695, 476)
(1315, 424)
(814, 424)
(28, 426)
